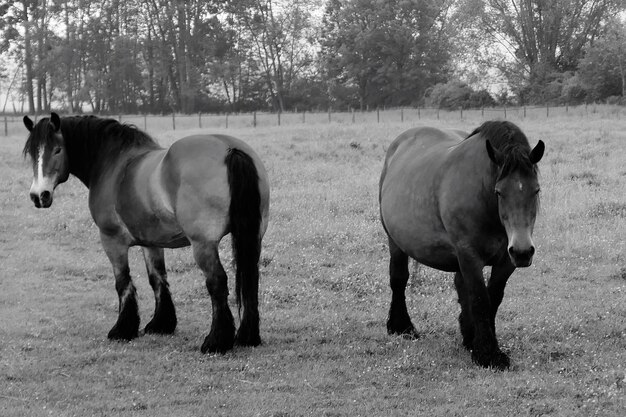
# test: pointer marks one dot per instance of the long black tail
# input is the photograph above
(245, 225)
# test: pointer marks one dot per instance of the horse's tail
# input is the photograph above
(245, 225)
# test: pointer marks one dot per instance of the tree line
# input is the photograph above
(163, 56)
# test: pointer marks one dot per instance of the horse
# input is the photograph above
(193, 193)
(457, 203)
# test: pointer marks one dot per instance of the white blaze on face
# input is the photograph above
(40, 182)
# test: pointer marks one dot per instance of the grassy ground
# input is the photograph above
(324, 295)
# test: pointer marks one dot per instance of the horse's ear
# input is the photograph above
(537, 152)
(28, 123)
(55, 120)
(494, 154)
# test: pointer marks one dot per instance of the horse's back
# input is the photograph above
(209, 152)
(409, 194)
(169, 196)
(420, 139)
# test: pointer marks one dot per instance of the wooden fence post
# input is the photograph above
(377, 114)
(254, 119)
(6, 126)
(199, 120)
(227, 120)
(329, 117)
(173, 121)
(547, 110)
(505, 111)
(145, 122)
(402, 115)
(461, 112)
(278, 117)
(303, 116)
(352, 110)
(524, 112)
(482, 111)
(419, 115)
(437, 113)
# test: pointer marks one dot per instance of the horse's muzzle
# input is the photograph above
(42, 200)
(521, 258)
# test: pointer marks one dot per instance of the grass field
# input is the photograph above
(324, 295)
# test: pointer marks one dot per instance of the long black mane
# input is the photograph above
(511, 142)
(103, 138)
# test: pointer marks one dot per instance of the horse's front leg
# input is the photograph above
(127, 325)
(500, 274)
(485, 350)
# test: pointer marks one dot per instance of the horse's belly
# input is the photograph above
(426, 244)
(438, 255)
(145, 207)
(410, 208)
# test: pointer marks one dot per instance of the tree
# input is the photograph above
(603, 69)
(277, 38)
(12, 15)
(540, 37)
(457, 95)
(388, 52)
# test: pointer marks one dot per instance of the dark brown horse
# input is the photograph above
(457, 203)
(194, 193)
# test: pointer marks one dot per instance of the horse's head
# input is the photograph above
(46, 148)
(517, 190)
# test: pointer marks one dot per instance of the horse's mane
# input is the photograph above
(105, 138)
(512, 143)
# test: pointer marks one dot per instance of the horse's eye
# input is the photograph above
(538, 191)
(57, 150)
(497, 193)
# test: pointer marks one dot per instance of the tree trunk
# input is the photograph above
(70, 55)
(28, 62)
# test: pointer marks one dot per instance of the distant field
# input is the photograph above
(324, 292)
(12, 124)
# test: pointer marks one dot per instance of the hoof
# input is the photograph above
(402, 327)
(247, 338)
(213, 344)
(497, 360)
(406, 331)
(123, 332)
(468, 344)
(222, 335)
(162, 326)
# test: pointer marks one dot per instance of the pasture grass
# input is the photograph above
(324, 295)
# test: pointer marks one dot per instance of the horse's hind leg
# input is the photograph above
(222, 334)
(127, 325)
(465, 319)
(164, 320)
(399, 321)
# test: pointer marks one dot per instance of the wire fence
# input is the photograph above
(12, 124)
